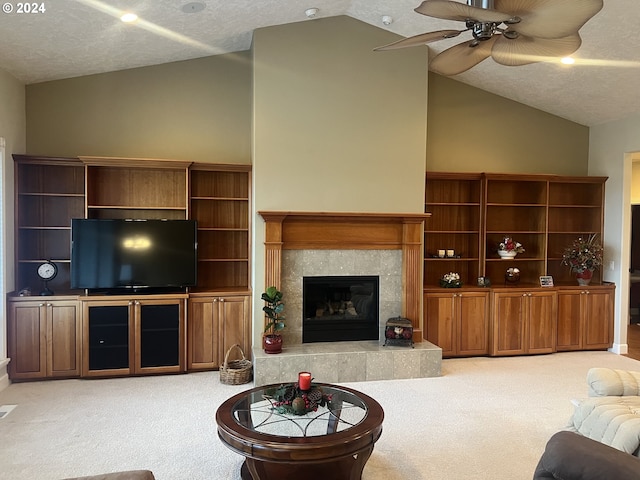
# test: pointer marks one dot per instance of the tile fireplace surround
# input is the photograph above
(320, 244)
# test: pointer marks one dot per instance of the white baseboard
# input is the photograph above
(620, 348)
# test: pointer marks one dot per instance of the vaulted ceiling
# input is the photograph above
(71, 38)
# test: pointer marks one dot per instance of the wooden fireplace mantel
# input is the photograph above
(351, 231)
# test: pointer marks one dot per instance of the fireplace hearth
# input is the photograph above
(340, 308)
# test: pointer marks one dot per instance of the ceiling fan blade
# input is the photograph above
(549, 18)
(524, 50)
(449, 10)
(461, 57)
(421, 39)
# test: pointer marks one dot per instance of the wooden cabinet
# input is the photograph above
(49, 193)
(523, 321)
(455, 204)
(472, 213)
(52, 191)
(215, 325)
(220, 203)
(576, 209)
(43, 338)
(457, 321)
(129, 336)
(516, 207)
(136, 188)
(585, 318)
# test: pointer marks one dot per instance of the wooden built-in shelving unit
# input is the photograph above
(216, 312)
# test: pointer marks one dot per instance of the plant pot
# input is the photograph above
(584, 277)
(507, 254)
(272, 343)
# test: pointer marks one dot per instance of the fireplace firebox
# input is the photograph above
(340, 308)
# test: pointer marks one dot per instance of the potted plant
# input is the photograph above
(583, 256)
(272, 340)
(509, 248)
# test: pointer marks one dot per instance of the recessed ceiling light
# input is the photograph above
(311, 12)
(128, 17)
(387, 19)
(193, 7)
(568, 61)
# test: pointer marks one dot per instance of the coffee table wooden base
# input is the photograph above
(349, 468)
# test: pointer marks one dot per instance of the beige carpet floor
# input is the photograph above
(484, 418)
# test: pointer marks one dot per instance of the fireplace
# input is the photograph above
(340, 308)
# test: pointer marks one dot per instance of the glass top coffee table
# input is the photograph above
(334, 442)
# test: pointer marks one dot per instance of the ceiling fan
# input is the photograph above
(512, 32)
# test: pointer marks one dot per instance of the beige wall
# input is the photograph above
(196, 110)
(12, 129)
(471, 130)
(337, 126)
(613, 148)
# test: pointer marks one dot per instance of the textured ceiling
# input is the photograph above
(80, 37)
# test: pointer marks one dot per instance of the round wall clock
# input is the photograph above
(47, 271)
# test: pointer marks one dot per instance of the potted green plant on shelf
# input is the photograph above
(273, 310)
(583, 256)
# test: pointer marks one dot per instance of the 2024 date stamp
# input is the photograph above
(24, 7)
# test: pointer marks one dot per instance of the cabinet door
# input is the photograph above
(439, 316)
(509, 317)
(598, 318)
(541, 322)
(63, 339)
(108, 334)
(234, 325)
(27, 340)
(159, 336)
(203, 344)
(570, 320)
(473, 323)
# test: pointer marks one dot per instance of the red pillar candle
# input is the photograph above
(304, 380)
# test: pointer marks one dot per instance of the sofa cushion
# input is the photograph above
(608, 381)
(128, 475)
(569, 456)
(614, 421)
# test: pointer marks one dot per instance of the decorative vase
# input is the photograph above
(507, 253)
(272, 343)
(584, 277)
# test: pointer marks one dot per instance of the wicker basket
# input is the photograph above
(235, 372)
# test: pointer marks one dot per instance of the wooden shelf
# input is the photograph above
(52, 191)
(472, 213)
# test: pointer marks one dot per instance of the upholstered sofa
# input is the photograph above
(611, 413)
(602, 441)
(570, 456)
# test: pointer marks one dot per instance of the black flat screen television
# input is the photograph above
(132, 255)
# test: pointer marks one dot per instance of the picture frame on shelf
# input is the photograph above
(546, 281)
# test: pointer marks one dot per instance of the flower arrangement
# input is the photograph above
(291, 399)
(450, 280)
(583, 254)
(508, 244)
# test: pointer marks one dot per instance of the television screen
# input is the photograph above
(132, 254)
